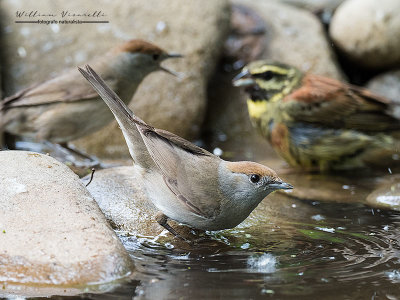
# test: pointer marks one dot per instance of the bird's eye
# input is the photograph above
(254, 178)
(156, 56)
(267, 75)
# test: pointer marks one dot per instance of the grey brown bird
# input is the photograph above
(66, 108)
(185, 182)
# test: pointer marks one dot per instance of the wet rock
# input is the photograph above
(387, 195)
(52, 233)
(294, 36)
(40, 51)
(387, 85)
(367, 31)
(120, 195)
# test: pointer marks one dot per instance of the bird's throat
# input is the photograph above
(256, 108)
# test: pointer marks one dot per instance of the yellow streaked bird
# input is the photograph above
(319, 123)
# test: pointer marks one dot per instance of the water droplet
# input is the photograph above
(222, 137)
(318, 217)
(245, 246)
(218, 151)
(266, 291)
(161, 27)
(265, 263)
(326, 229)
(21, 51)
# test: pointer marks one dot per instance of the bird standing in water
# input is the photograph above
(185, 182)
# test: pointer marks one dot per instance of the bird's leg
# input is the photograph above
(163, 221)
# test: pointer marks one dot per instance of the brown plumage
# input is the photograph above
(140, 46)
(61, 109)
(247, 167)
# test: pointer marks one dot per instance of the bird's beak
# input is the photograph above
(174, 55)
(179, 75)
(176, 74)
(281, 186)
(242, 79)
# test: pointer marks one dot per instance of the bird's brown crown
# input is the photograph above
(248, 168)
(140, 46)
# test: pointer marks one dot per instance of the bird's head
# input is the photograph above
(247, 183)
(267, 83)
(144, 57)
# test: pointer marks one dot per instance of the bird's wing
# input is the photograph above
(179, 163)
(175, 157)
(328, 102)
(63, 88)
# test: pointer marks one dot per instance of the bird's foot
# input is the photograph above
(163, 221)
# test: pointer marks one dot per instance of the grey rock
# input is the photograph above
(387, 85)
(197, 30)
(387, 195)
(120, 194)
(368, 31)
(296, 37)
(52, 232)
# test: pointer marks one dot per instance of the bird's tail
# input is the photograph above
(125, 118)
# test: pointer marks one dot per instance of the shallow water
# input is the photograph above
(340, 251)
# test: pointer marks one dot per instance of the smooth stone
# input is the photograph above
(387, 195)
(52, 232)
(39, 52)
(294, 36)
(386, 84)
(119, 192)
(367, 31)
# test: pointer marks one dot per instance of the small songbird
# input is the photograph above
(319, 123)
(185, 182)
(66, 108)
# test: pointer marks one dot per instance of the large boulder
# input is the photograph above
(52, 233)
(196, 30)
(367, 31)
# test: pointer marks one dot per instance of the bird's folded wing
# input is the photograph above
(330, 103)
(65, 88)
(167, 149)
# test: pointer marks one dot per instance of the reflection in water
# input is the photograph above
(353, 252)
